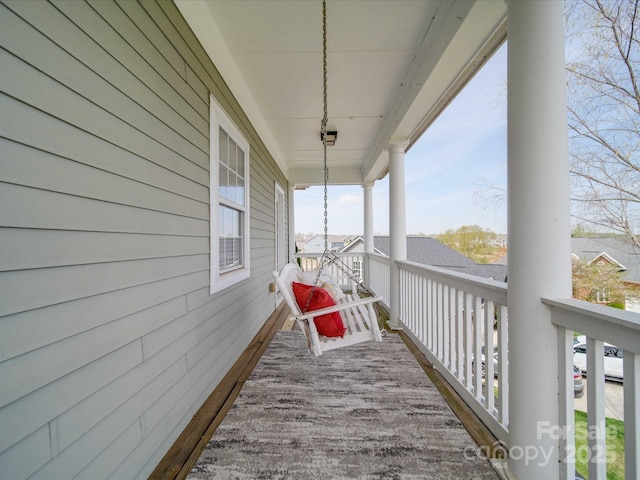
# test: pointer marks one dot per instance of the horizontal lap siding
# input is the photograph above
(109, 338)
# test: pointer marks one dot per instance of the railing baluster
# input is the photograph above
(422, 293)
(488, 355)
(433, 340)
(631, 369)
(477, 346)
(468, 341)
(414, 304)
(566, 445)
(460, 370)
(453, 338)
(503, 370)
(595, 409)
(446, 339)
(440, 322)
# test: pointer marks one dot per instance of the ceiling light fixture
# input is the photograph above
(331, 138)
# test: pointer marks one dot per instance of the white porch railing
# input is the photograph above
(458, 318)
(378, 271)
(599, 324)
(455, 318)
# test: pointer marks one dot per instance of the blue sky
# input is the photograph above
(445, 171)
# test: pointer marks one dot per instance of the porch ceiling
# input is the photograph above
(392, 67)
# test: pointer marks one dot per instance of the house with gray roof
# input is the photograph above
(430, 251)
(316, 243)
(609, 250)
(612, 251)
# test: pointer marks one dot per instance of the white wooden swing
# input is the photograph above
(358, 315)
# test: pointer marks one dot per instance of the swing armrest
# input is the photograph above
(337, 308)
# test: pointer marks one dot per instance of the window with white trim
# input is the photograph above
(229, 196)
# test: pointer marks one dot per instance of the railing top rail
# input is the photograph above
(608, 324)
(492, 290)
(315, 255)
(379, 258)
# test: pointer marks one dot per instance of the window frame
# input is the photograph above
(219, 280)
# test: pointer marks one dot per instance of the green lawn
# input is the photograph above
(615, 446)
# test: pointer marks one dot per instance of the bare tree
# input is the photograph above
(604, 113)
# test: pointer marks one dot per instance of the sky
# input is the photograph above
(446, 170)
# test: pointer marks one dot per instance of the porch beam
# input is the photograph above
(539, 229)
(303, 176)
(397, 226)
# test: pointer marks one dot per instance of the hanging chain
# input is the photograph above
(325, 118)
(323, 130)
(328, 256)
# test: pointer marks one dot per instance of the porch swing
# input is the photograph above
(329, 317)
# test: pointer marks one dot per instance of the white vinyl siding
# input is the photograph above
(230, 260)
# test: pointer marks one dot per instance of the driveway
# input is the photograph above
(613, 400)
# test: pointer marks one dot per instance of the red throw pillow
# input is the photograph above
(330, 324)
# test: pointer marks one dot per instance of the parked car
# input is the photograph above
(612, 360)
(578, 383)
(495, 361)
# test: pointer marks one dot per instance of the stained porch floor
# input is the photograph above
(368, 411)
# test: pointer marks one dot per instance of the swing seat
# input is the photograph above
(357, 314)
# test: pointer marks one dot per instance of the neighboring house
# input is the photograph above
(612, 251)
(430, 251)
(501, 240)
(316, 244)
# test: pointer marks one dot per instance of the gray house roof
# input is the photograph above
(619, 251)
(430, 251)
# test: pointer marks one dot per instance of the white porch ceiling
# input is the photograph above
(393, 65)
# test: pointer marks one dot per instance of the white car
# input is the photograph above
(612, 360)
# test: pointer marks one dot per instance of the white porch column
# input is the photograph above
(539, 230)
(368, 217)
(292, 226)
(368, 228)
(397, 226)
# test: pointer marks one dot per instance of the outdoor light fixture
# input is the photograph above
(331, 138)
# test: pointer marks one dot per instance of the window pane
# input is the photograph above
(230, 238)
(223, 147)
(232, 187)
(240, 168)
(231, 170)
(223, 181)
